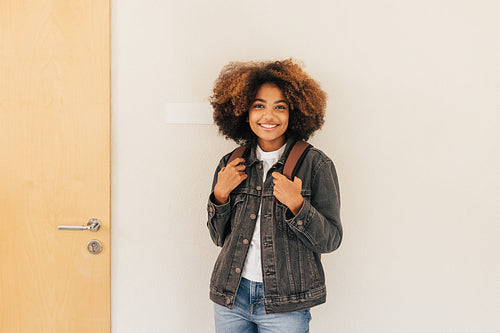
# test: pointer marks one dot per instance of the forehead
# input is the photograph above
(270, 91)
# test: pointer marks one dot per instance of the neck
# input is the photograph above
(271, 146)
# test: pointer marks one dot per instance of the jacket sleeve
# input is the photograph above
(317, 224)
(218, 215)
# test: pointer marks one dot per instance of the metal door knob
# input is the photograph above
(93, 225)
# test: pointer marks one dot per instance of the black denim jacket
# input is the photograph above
(293, 276)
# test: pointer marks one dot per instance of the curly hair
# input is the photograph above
(238, 83)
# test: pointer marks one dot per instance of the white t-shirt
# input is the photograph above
(252, 270)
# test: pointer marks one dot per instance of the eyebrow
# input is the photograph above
(264, 101)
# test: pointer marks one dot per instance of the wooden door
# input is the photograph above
(54, 165)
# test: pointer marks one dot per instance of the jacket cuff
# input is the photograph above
(302, 219)
(219, 210)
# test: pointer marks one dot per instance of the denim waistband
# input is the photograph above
(252, 291)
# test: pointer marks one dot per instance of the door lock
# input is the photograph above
(94, 246)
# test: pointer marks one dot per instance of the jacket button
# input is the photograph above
(253, 216)
(228, 301)
(299, 222)
(260, 166)
(259, 188)
(245, 241)
(238, 270)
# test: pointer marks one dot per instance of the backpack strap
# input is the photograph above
(295, 157)
(238, 152)
(293, 160)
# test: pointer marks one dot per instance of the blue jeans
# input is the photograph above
(249, 316)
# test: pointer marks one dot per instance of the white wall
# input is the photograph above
(412, 126)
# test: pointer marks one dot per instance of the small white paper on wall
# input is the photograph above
(189, 113)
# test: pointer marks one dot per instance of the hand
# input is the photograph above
(228, 178)
(288, 192)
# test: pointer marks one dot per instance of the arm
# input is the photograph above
(226, 179)
(317, 223)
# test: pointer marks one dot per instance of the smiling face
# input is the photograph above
(268, 117)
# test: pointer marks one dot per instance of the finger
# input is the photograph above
(240, 167)
(236, 161)
(277, 194)
(277, 175)
(298, 181)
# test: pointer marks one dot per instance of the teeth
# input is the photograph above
(268, 126)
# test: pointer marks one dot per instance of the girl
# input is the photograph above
(271, 229)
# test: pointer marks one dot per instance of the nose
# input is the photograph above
(268, 113)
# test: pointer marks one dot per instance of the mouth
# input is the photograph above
(268, 126)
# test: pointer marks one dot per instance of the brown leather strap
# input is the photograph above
(294, 156)
(238, 152)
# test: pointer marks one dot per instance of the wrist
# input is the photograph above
(220, 197)
(297, 206)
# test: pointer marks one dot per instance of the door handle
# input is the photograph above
(93, 225)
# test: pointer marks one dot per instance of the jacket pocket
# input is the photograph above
(307, 267)
(313, 264)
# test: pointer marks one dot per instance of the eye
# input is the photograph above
(281, 107)
(258, 106)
